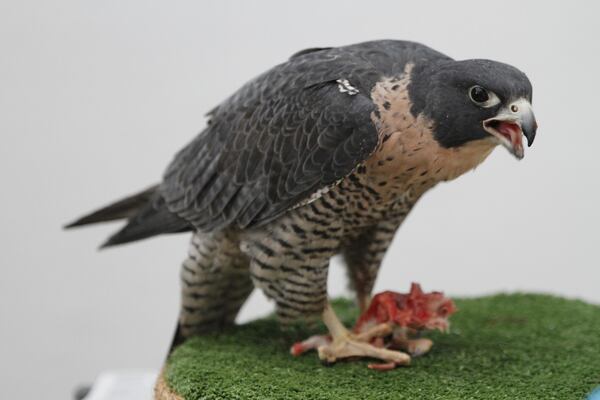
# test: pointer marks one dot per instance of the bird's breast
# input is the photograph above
(408, 157)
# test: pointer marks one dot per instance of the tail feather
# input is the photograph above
(146, 214)
(121, 209)
(153, 219)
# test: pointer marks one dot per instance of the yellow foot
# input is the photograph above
(352, 346)
(341, 343)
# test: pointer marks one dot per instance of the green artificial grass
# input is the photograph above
(520, 346)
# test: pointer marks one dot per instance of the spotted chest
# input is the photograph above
(290, 256)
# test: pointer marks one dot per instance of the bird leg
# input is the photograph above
(316, 341)
(344, 344)
(363, 302)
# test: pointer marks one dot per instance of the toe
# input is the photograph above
(382, 366)
(311, 343)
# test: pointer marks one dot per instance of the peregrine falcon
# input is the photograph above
(323, 154)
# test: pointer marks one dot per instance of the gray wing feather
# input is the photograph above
(281, 137)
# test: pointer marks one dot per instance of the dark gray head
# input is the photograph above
(473, 99)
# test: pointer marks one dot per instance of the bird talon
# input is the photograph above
(313, 342)
(347, 347)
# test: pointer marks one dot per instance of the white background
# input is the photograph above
(96, 97)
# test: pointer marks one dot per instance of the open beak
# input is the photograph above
(511, 124)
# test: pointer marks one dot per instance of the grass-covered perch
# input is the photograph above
(518, 346)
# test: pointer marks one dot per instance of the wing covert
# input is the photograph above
(279, 139)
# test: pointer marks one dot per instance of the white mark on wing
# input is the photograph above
(316, 195)
(346, 87)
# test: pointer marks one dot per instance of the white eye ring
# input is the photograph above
(491, 99)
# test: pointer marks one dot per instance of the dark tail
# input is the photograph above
(146, 214)
(121, 209)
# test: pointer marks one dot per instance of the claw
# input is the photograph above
(342, 344)
(313, 342)
(350, 347)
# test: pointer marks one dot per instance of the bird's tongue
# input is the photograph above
(512, 132)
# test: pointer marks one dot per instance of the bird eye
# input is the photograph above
(483, 97)
(479, 94)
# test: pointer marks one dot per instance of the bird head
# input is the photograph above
(473, 100)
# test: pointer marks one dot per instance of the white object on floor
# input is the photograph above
(124, 385)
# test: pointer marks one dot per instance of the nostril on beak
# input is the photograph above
(514, 108)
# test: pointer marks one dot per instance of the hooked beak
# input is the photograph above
(511, 124)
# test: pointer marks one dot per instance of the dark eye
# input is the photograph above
(483, 97)
(479, 94)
